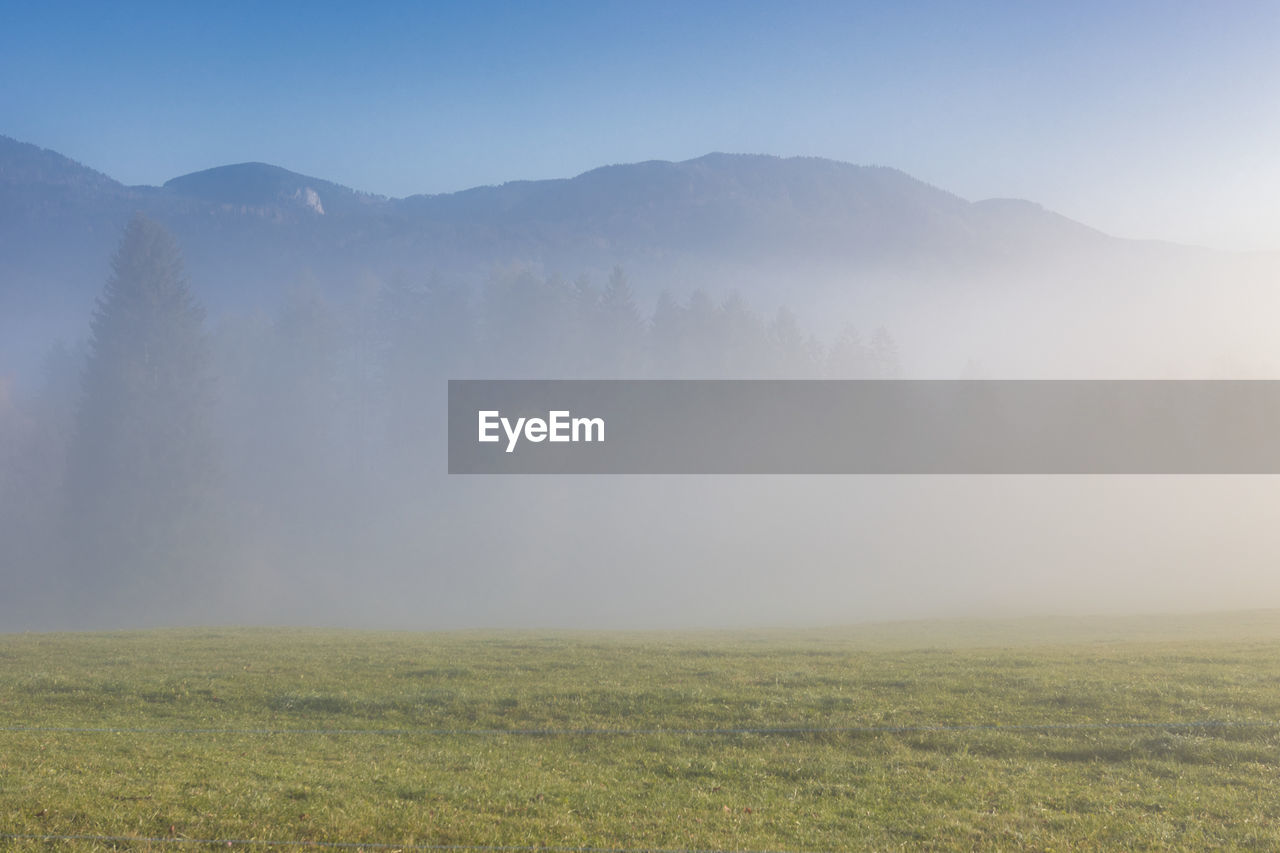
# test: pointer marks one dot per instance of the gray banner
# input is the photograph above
(863, 427)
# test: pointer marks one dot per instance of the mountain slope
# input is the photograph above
(24, 164)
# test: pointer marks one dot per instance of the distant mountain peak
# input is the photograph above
(252, 184)
(262, 185)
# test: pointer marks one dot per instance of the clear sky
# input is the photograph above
(1147, 119)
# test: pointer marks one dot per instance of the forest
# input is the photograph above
(163, 452)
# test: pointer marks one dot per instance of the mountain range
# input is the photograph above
(803, 231)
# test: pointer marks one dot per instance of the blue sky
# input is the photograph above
(1148, 119)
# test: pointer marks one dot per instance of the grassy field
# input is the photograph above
(1038, 734)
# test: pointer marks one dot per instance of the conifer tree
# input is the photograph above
(621, 328)
(142, 465)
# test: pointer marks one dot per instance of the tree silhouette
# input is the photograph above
(621, 329)
(795, 354)
(667, 339)
(142, 463)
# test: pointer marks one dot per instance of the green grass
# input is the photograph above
(329, 736)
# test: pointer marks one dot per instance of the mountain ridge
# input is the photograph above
(197, 184)
(801, 231)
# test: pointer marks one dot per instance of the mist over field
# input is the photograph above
(222, 400)
(298, 302)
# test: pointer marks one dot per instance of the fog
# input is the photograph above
(188, 458)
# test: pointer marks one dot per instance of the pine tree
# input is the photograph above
(668, 348)
(142, 464)
(742, 340)
(795, 355)
(621, 329)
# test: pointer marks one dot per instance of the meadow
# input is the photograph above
(1154, 733)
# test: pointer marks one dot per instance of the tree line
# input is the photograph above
(168, 459)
